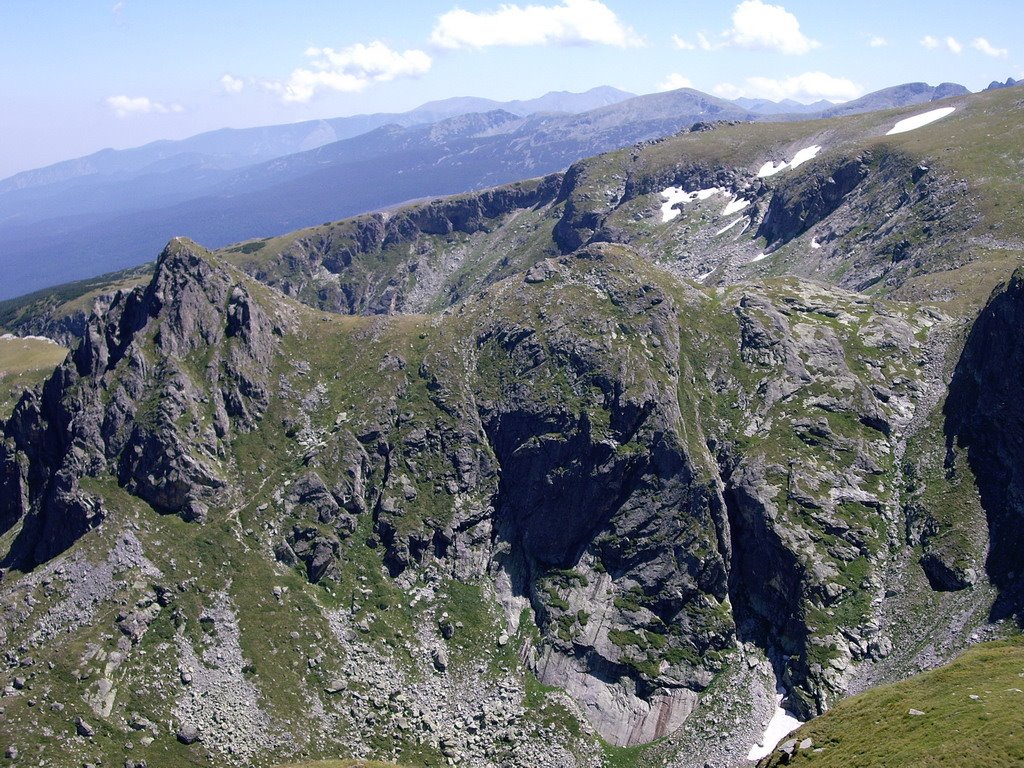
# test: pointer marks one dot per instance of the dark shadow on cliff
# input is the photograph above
(765, 586)
(984, 417)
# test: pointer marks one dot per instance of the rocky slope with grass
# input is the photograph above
(576, 471)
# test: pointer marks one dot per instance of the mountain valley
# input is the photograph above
(583, 470)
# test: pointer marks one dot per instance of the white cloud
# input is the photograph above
(232, 84)
(954, 45)
(878, 42)
(702, 42)
(681, 44)
(983, 45)
(572, 22)
(349, 70)
(674, 81)
(756, 24)
(124, 106)
(808, 87)
(929, 42)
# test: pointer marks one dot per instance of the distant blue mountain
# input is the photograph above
(115, 209)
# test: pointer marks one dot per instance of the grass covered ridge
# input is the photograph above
(973, 716)
(23, 364)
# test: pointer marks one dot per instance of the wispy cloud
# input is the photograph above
(117, 11)
(232, 84)
(756, 24)
(929, 42)
(983, 45)
(674, 81)
(702, 42)
(125, 106)
(572, 22)
(809, 86)
(681, 44)
(954, 45)
(349, 70)
(878, 41)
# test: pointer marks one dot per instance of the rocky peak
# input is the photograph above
(152, 394)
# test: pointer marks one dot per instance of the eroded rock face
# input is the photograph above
(578, 500)
(158, 384)
(656, 477)
(379, 263)
(983, 416)
(798, 206)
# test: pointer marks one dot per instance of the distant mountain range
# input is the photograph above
(115, 208)
(786, 106)
(897, 96)
(229, 148)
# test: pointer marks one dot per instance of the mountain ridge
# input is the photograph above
(665, 430)
(267, 142)
(120, 223)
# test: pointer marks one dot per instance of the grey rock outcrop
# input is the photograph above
(158, 424)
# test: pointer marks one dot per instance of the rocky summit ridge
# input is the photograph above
(572, 472)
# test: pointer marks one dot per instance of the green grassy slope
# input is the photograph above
(969, 713)
(23, 364)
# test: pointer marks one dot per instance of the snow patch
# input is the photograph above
(770, 169)
(805, 154)
(735, 205)
(705, 276)
(674, 196)
(801, 157)
(759, 257)
(815, 244)
(919, 121)
(727, 227)
(781, 725)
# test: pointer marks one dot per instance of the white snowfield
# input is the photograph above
(805, 154)
(678, 196)
(727, 227)
(919, 121)
(781, 725)
(759, 257)
(770, 169)
(735, 205)
(801, 157)
(674, 196)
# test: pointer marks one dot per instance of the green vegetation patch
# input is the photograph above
(970, 712)
(23, 364)
(62, 300)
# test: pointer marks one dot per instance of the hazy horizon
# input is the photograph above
(122, 74)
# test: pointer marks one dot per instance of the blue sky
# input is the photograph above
(81, 75)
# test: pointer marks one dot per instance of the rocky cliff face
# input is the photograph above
(402, 261)
(155, 387)
(584, 497)
(982, 414)
(658, 498)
